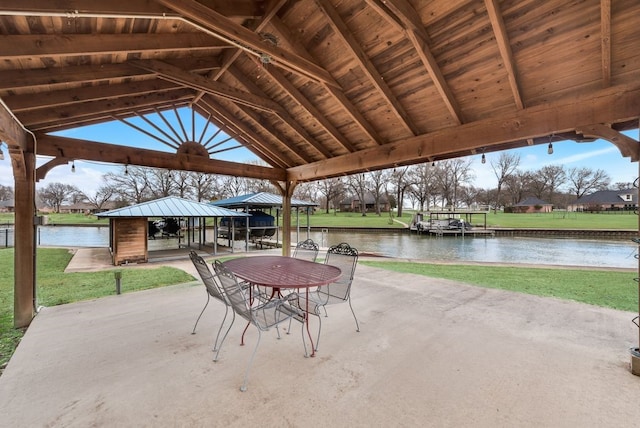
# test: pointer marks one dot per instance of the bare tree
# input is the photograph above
(132, 184)
(620, 185)
(182, 185)
(161, 183)
(423, 183)
(548, 181)
(232, 186)
(358, 183)
(332, 189)
(504, 168)
(6, 193)
(377, 181)
(100, 196)
(452, 174)
(517, 186)
(203, 186)
(305, 191)
(584, 180)
(400, 181)
(55, 194)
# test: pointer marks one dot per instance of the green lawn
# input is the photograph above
(345, 219)
(612, 289)
(56, 287)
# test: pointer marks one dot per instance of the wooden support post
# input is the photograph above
(24, 295)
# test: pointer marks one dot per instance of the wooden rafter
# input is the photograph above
(290, 89)
(502, 39)
(420, 39)
(28, 46)
(55, 99)
(366, 65)
(605, 41)
(60, 77)
(338, 95)
(283, 114)
(195, 81)
(241, 36)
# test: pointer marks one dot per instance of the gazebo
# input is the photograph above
(314, 88)
(129, 226)
(265, 200)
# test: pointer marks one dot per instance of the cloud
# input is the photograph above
(579, 157)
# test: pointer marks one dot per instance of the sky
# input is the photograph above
(600, 154)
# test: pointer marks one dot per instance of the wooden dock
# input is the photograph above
(462, 232)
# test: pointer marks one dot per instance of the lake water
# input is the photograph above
(551, 251)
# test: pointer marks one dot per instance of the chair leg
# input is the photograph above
(202, 312)
(319, 330)
(219, 346)
(354, 315)
(243, 388)
(304, 342)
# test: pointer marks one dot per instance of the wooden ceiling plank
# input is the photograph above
(53, 77)
(232, 9)
(247, 39)
(602, 107)
(341, 29)
(49, 145)
(502, 39)
(290, 89)
(54, 45)
(337, 94)
(605, 41)
(285, 116)
(417, 34)
(19, 103)
(37, 118)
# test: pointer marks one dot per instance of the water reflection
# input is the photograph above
(550, 251)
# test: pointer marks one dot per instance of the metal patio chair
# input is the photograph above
(263, 316)
(346, 258)
(306, 250)
(213, 290)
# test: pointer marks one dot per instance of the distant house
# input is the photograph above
(7, 206)
(354, 204)
(87, 208)
(533, 205)
(607, 200)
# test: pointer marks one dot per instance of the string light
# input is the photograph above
(484, 158)
(550, 149)
(126, 170)
(73, 166)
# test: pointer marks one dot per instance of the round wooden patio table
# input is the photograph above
(280, 272)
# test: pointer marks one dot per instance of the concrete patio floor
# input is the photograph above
(430, 353)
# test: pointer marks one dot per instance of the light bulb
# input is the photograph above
(484, 159)
(73, 166)
(550, 149)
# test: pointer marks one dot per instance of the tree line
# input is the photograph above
(433, 185)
